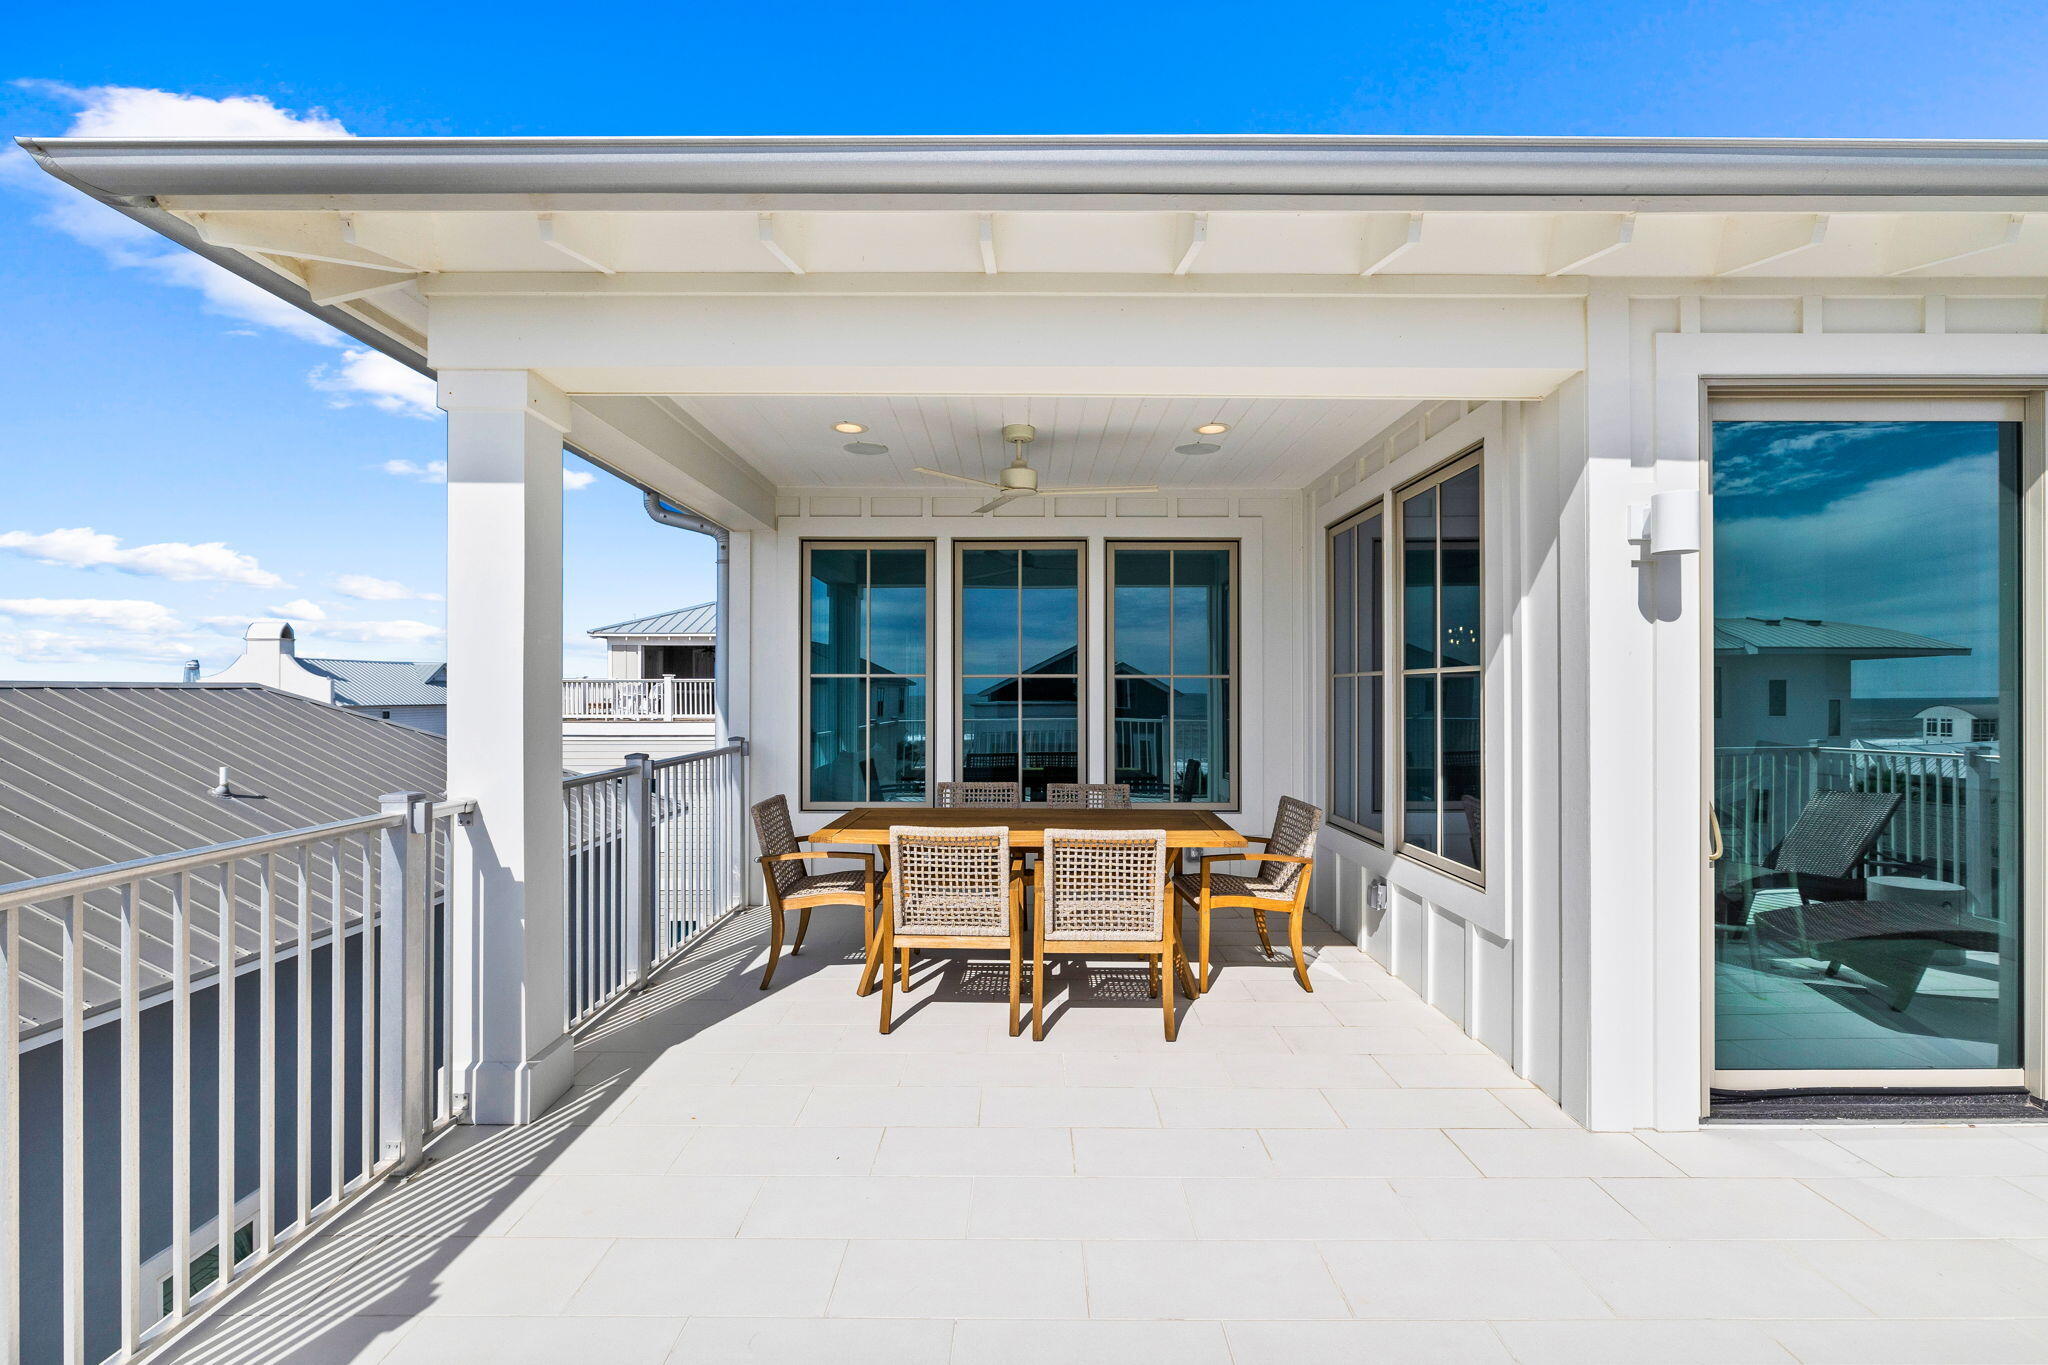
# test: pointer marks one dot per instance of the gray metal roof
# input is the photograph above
(383, 682)
(701, 619)
(1806, 635)
(1233, 164)
(93, 774)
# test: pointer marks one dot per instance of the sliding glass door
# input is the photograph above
(1866, 713)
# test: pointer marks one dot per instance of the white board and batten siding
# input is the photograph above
(1484, 951)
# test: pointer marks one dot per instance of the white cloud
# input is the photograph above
(366, 376)
(300, 609)
(577, 478)
(135, 111)
(83, 547)
(360, 375)
(383, 632)
(365, 588)
(127, 614)
(131, 111)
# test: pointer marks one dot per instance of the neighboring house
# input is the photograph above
(658, 696)
(93, 774)
(1960, 723)
(414, 694)
(1786, 679)
(668, 644)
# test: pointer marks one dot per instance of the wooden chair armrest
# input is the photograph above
(867, 858)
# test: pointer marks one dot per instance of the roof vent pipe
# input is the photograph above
(668, 514)
(191, 670)
(222, 788)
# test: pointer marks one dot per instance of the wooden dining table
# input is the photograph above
(1185, 829)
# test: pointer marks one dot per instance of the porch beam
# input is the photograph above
(644, 440)
(505, 431)
(1305, 347)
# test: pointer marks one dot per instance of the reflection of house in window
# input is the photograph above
(1974, 721)
(1028, 719)
(1788, 680)
(1145, 707)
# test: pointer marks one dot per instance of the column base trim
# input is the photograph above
(508, 1092)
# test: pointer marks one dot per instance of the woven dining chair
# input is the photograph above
(1101, 893)
(1093, 795)
(979, 794)
(950, 888)
(1280, 887)
(791, 888)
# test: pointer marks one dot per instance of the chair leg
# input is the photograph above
(803, 926)
(1038, 992)
(906, 967)
(1016, 975)
(1152, 977)
(774, 944)
(870, 945)
(1166, 1003)
(1180, 959)
(1202, 976)
(888, 947)
(1294, 941)
(1265, 939)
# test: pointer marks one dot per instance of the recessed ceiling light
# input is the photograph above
(1212, 428)
(848, 428)
(864, 448)
(1197, 448)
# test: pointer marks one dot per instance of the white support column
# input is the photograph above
(505, 430)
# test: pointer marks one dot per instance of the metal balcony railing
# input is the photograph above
(223, 1047)
(658, 699)
(656, 852)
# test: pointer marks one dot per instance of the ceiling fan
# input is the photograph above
(1020, 480)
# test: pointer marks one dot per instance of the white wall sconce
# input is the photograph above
(1668, 524)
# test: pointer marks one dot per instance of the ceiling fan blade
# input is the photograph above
(962, 478)
(1009, 496)
(1132, 488)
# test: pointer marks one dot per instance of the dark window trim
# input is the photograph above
(803, 580)
(1234, 548)
(1377, 507)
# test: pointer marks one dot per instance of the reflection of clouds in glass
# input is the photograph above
(1915, 551)
(1776, 459)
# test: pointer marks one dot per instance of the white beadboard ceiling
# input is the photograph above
(1272, 442)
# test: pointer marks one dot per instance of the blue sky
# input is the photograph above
(211, 459)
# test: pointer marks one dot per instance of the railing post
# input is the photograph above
(640, 867)
(404, 914)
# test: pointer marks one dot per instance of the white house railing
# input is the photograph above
(328, 944)
(637, 699)
(1947, 821)
(655, 852)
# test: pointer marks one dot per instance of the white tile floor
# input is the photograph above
(750, 1176)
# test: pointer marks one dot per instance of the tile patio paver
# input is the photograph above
(762, 1176)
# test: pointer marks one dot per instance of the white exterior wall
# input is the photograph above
(590, 746)
(1485, 955)
(1811, 681)
(1273, 688)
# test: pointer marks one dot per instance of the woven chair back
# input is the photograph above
(1294, 834)
(1103, 884)
(950, 882)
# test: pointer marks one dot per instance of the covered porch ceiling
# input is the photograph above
(1128, 439)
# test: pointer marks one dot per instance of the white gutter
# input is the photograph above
(1243, 164)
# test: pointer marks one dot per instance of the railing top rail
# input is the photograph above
(1758, 750)
(116, 874)
(738, 746)
(601, 775)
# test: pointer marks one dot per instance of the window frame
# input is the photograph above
(1235, 678)
(1082, 660)
(806, 801)
(1396, 760)
(1378, 507)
